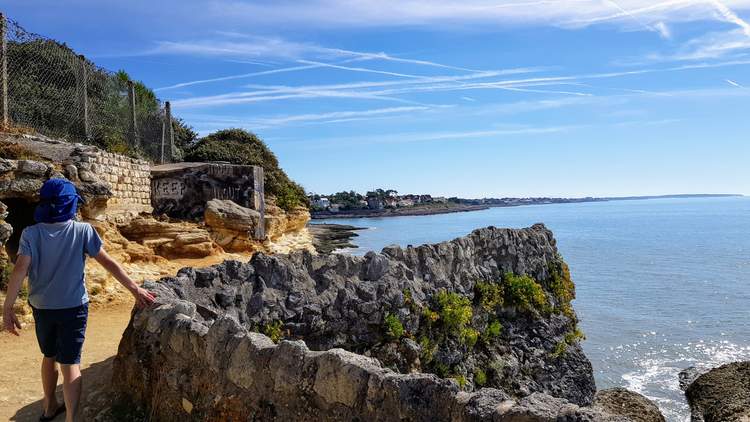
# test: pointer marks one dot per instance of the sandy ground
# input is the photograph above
(20, 385)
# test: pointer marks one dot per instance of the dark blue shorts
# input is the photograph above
(60, 332)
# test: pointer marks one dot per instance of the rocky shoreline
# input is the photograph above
(397, 212)
(327, 238)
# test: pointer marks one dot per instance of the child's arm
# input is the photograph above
(142, 296)
(10, 321)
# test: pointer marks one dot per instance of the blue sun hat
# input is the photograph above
(58, 201)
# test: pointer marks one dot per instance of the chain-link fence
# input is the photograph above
(47, 87)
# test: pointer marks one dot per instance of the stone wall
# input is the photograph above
(121, 184)
(129, 178)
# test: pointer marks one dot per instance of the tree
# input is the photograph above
(238, 146)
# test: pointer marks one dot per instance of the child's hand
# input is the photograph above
(143, 297)
(10, 322)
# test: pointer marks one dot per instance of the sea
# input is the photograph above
(662, 284)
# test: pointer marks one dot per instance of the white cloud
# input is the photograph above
(448, 136)
(713, 45)
(207, 122)
(390, 90)
(373, 13)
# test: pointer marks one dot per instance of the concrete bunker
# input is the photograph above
(182, 190)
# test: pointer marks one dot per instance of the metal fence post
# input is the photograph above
(83, 96)
(3, 71)
(170, 131)
(131, 105)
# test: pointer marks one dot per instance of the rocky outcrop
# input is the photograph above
(622, 402)
(170, 239)
(232, 226)
(425, 328)
(721, 394)
(279, 222)
(174, 366)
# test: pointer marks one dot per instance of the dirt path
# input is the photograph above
(20, 385)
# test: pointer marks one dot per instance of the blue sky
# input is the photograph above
(473, 98)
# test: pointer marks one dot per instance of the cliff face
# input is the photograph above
(490, 309)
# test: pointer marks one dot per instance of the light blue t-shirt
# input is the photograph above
(58, 255)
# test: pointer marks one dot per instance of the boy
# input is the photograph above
(53, 254)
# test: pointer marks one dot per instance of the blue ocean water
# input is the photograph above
(661, 284)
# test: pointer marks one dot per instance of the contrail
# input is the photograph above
(733, 83)
(732, 17)
(661, 30)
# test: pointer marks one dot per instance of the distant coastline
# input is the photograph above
(467, 205)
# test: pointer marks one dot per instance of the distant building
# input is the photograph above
(440, 199)
(404, 203)
(391, 202)
(334, 207)
(322, 203)
(374, 203)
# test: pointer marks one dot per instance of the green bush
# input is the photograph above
(480, 377)
(428, 349)
(569, 339)
(490, 295)
(562, 287)
(492, 331)
(524, 292)
(274, 331)
(454, 310)
(460, 379)
(238, 146)
(394, 329)
(469, 337)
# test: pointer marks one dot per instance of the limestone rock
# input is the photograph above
(198, 345)
(225, 214)
(233, 227)
(721, 394)
(619, 401)
(170, 239)
(32, 168)
(7, 165)
(687, 376)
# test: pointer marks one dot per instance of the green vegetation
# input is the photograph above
(428, 349)
(562, 288)
(43, 87)
(469, 336)
(480, 377)
(489, 294)
(394, 329)
(238, 146)
(524, 292)
(460, 379)
(492, 331)
(569, 339)
(454, 311)
(440, 369)
(430, 316)
(274, 331)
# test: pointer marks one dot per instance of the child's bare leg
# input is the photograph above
(49, 383)
(72, 386)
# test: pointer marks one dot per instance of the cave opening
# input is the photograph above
(20, 216)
